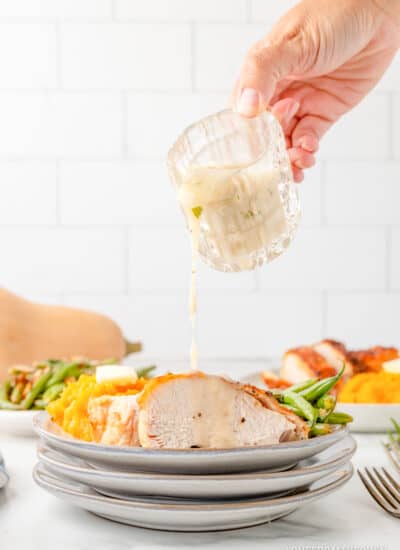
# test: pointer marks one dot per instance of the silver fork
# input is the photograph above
(383, 488)
(393, 452)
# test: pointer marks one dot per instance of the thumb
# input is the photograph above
(264, 66)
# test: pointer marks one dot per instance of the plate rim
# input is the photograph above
(369, 405)
(38, 471)
(348, 453)
(39, 419)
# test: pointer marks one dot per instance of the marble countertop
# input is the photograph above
(347, 520)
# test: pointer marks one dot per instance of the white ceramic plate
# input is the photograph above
(126, 484)
(3, 477)
(175, 515)
(188, 461)
(371, 417)
(17, 423)
(3, 474)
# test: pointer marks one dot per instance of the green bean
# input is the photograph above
(8, 406)
(294, 409)
(5, 390)
(321, 387)
(325, 406)
(63, 371)
(278, 394)
(302, 385)
(109, 361)
(338, 418)
(16, 394)
(39, 404)
(145, 371)
(320, 429)
(73, 373)
(53, 362)
(37, 388)
(5, 403)
(295, 400)
(53, 392)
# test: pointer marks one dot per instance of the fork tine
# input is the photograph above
(393, 460)
(388, 487)
(372, 491)
(392, 481)
(381, 489)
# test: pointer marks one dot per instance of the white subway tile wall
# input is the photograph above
(28, 55)
(92, 95)
(182, 10)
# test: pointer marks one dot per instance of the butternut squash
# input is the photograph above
(33, 332)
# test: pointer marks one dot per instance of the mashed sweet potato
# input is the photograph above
(70, 410)
(380, 387)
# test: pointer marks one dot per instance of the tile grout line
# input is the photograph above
(249, 12)
(58, 52)
(323, 216)
(176, 224)
(113, 11)
(212, 293)
(124, 125)
(131, 20)
(193, 32)
(391, 124)
(388, 262)
(58, 202)
(126, 274)
(324, 313)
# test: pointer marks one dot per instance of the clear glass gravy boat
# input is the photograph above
(234, 183)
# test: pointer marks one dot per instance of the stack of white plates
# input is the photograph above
(195, 489)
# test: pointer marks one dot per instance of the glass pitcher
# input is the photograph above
(234, 184)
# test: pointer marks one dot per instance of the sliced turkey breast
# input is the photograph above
(336, 354)
(268, 400)
(299, 364)
(200, 411)
(114, 419)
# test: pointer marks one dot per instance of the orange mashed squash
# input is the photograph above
(380, 387)
(70, 410)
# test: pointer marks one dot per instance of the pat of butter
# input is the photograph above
(392, 366)
(115, 373)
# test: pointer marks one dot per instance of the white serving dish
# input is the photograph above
(17, 423)
(370, 417)
(128, 484)
(188, 461)
(183, 515)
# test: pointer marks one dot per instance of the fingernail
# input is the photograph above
(249, 102)
(308, 143)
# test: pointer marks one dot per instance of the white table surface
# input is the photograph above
(31, 519)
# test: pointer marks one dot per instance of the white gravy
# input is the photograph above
(242, 210)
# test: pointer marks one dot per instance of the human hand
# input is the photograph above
(320, 60)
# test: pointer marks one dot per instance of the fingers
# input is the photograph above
(308, 132)
(264, 66)
(298, 174)
(285, 111)
(300, 158)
